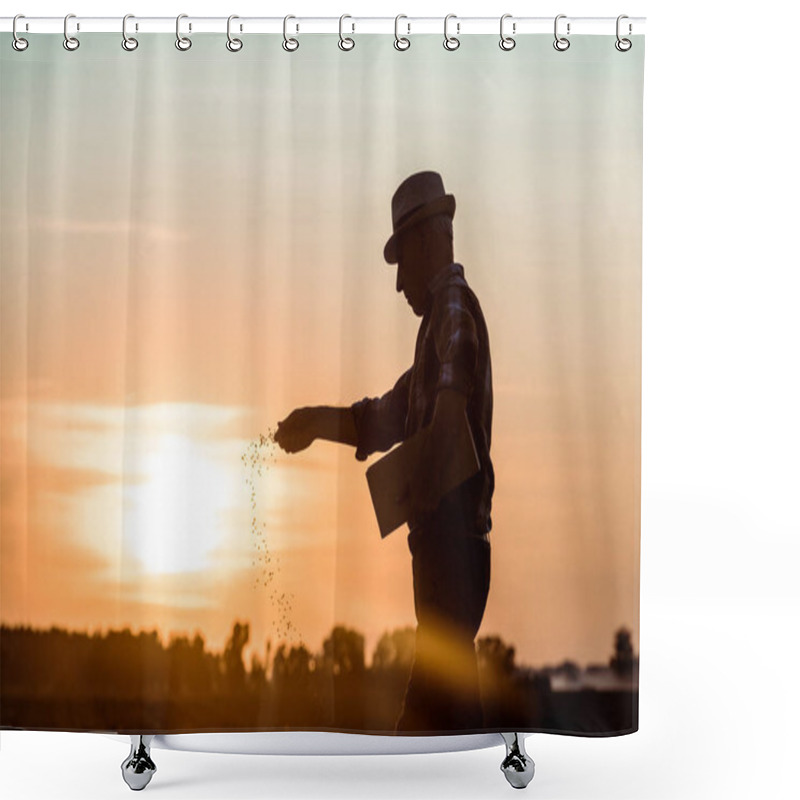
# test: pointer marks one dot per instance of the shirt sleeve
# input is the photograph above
(456, 342)
(381, 421)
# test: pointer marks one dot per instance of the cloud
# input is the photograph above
(118, 227)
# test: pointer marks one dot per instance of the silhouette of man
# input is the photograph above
(448, 533)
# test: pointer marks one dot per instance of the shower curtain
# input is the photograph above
(321, 383)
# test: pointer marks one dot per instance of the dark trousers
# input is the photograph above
(451, 584)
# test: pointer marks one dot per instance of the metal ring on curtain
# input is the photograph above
(507, 42)
(561, 43)
(289, 45)
(451, 42)
(234, 45)
(18, 43)
(182, 42)
(128, 42)
(623, 45)
(70, 42)
(401, 43)
(345, 43)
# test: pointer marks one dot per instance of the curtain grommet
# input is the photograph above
(70, 42)
(401, 42)
(17, 42)
(561, 43)
(129, 43)
(451, 42)
(345, 42)
(507, 42)
(234, 45)
(289, 44)
(183, 43)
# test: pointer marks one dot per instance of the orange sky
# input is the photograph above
(163, 305)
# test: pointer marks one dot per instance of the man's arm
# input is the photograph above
(337, 424)
(304, 425)
(374, 423)
(380, 421)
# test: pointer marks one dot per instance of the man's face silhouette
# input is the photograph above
(412, 268)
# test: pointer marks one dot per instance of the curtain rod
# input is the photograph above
(351, 24)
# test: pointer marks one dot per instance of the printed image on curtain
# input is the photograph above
(320, 385)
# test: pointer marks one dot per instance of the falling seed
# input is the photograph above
(258, 456)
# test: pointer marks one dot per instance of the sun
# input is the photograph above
(173, 514)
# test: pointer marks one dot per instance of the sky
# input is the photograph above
(191, 246)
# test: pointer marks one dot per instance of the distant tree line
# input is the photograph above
(66, 680)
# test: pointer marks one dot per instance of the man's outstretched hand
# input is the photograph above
(298, 430)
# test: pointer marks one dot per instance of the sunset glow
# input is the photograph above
(163, 307)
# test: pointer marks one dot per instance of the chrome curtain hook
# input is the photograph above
(18, 43)
(182, 42)
(346, 43)
(234, 45)
(451, 42)
(128, 42)
(70, 42)
(507, 42)
(561, 43)
(290, 45)
(623, 45)
(401, 43)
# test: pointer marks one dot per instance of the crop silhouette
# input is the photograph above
(131, 683)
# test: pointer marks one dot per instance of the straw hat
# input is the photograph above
(418, 197)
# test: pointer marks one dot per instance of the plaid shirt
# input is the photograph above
(452, 351)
